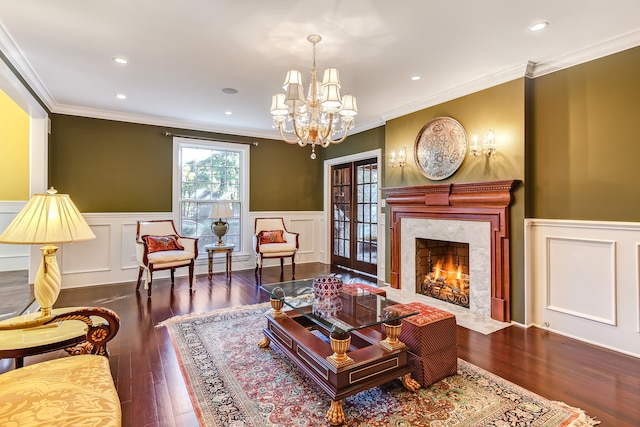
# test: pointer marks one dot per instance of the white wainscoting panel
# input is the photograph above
(582, 267)
(582, 280)
(12, 257)
(110, 258)
(90, 256)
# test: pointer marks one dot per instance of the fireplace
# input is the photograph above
(442, 270)
(476, 214)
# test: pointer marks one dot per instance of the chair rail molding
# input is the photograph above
(111, 258)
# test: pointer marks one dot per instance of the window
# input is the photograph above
(207, 172)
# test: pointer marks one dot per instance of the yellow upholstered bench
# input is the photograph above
(71, 391)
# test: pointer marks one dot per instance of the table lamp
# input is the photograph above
(219, 228)
(47, 219)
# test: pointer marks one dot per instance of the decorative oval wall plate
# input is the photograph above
(440, 148)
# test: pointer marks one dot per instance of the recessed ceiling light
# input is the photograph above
(228, 113)
(539, 26)
(229, 90)
(415, 78)
(121, 96)
(120, 60)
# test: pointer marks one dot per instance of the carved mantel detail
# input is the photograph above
(481, 201)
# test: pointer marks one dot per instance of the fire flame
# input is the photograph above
(449, 272)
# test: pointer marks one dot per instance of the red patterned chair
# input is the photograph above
(160, 247)
(272, 240)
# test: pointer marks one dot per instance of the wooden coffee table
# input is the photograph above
(339, 345)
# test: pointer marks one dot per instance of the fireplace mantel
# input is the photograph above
(481, 201)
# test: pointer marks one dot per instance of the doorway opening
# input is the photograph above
(354, 215)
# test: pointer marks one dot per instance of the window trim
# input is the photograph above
(244, 151)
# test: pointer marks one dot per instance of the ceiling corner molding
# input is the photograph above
(599, 50)
(160, 121)
(473, 86)
(19, 62)
(364, 126)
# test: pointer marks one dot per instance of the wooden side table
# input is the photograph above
(214, 248)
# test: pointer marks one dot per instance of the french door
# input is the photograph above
(354, 215)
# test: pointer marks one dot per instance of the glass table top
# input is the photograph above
(341, 312)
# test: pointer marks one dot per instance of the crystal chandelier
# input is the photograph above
(320, 117)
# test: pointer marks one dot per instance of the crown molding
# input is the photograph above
(477, 85)
(162, 121)
(529, 69)
(23, 67)
(577, 57)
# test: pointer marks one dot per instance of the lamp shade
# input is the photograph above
(278, 107)
(221, 210)
(46, 219)
(349, 106)
(292, 77)
(331, 76)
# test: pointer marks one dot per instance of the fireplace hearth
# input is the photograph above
(479, 210)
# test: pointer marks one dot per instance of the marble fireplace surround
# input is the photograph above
(456, 212)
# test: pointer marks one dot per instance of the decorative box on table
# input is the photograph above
(432, 341)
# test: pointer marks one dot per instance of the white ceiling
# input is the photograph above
(183, 53)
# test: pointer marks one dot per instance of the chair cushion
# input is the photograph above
(273, 236)
(166, 257)
(278, 248)
(70, 391)
(162, 243)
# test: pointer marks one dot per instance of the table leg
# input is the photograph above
(335, 414)
(210, 265)
(264, 342)
(228, 263)
(409, 383)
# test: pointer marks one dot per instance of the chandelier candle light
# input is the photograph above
(321, 116)
(47, 219)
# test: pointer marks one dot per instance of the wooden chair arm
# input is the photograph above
(98, 334)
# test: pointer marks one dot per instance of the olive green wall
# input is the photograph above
(285, 178)
(368, 140)
(501, 108)
(111, 166)
(582, 162)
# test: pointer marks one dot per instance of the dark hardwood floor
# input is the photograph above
(604, 383)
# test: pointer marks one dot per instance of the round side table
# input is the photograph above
(19, 343)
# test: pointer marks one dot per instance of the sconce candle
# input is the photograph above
(488, 147)
(402, 158)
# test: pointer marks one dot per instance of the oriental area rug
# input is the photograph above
(234, 383)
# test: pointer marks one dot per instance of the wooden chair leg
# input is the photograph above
(293, 266)
(150, 284)
(173, 273)
(281, 264)
(139, 278)
(191, 274)
(259, 265)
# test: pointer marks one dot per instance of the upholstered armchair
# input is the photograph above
(272, 240)
(160, 247)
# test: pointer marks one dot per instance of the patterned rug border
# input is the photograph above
(579, 418)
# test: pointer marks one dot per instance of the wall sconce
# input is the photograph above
(401, 161)
(488, 146)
